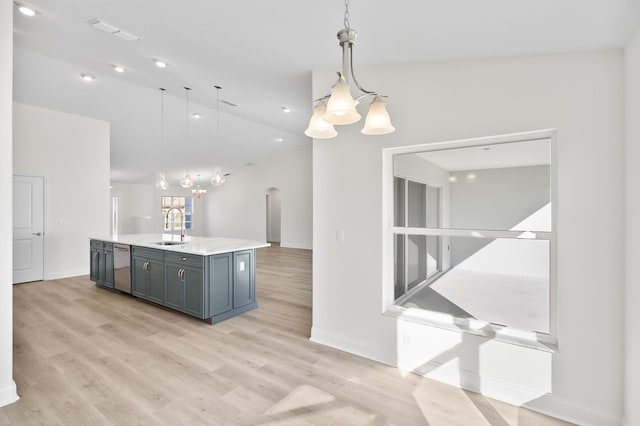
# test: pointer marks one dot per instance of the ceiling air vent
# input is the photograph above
(113, 30)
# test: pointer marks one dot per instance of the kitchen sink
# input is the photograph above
(169, 243)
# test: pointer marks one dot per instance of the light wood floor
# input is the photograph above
(87, 356)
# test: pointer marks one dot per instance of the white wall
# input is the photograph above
(72, 153)
(632, 232)
(7, 385)
(237, 208)
(140, 209)
(579, 94)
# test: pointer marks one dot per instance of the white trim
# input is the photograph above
(571, 411)
(301, 246)
(353, 345)
(447, 232)
(9, 394)
(65, 274)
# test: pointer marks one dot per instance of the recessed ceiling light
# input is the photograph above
(196, 115)
(496, 162)
(159, 63)
(486, 148)
(286, 110)
(279, 139)
(87, 77)
(249, 164)
(27, 11)
(118, 68)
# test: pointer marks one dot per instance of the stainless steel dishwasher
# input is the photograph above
(122, 267)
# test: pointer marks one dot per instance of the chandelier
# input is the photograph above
(198, 192)
(339, 108)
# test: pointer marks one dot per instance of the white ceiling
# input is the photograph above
(262, 54)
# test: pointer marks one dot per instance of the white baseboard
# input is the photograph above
(296, 245)
(56, 275)
(353, 346)
(533, 399)
(9, 394)
(573, 412)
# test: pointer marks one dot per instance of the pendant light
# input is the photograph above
(162, 182)
(340, 106)
(187, 181)
(218, 178)
(198, 192)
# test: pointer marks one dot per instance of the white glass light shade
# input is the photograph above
(187, 181)
(318, 128)
(162, 183)
(218, 179)
(377, 121)
(341, 108)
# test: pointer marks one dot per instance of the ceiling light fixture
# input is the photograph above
(87, 77)
(162, 183)
(27, 11)
(187, 180)
(279, 139)
(218, 178)
(340, 107)
(198, 192)
(196, 115)
(286, 110)
(159, 63)
(118, 68)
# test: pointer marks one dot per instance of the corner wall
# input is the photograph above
(581, 95)
(72, 153)
(8, 392)
(632, 234)
(237, 209)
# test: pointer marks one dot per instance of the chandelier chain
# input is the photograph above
(346, 14)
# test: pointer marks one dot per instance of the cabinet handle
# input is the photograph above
(179, 274)
(146, 266)
(184, 259)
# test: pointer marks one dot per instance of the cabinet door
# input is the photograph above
(221, 285)
(94, 271)
(140, 283)
(108, 269)
(243, 281)
(174, 297)
(194, 291)
(155, 271)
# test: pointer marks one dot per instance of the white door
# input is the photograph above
(28, 229)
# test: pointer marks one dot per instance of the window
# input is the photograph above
(470, 239)
(174, 221)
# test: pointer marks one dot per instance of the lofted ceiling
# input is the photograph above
(262, 53)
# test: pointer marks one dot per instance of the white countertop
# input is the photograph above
(192, 245)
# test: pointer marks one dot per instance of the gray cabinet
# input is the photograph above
(185, 288)
(101, 263)
(214, 287)
(221, 283)
(148, 274)
(244, 289)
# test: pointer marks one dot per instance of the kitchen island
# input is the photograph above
(209, 278)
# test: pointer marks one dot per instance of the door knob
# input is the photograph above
(37, 234)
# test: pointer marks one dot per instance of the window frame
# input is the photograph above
(189, 214)
(532, 339)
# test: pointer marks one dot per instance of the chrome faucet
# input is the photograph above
(183, 228)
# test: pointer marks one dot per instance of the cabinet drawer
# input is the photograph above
(184, 259)
(146, 252)
(101, 245)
